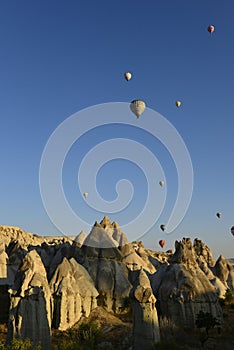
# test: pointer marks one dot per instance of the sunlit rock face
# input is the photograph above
(30, 303)
(224, 270)
(105, 235)
(145, 318)
(102, 257)
(184, 289)
(80, 238)
(3, 264)
(136, 258)
(74, 294)
(111, 281)
(215, 281)
(202, 250)
(12, 234)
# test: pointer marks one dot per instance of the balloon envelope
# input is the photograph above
(127, 76)
(219, 215)
(178, 103)
(162, 242)
(163, 227)
(161, 183)
(232, 230)
(85, 194)
(211, 29)
(137, 107)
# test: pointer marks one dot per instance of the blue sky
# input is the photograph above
(59, 57)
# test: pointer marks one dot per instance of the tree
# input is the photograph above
(229, 297)
(206, 320)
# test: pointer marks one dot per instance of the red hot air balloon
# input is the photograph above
(211, 29)
(232, 230)
(162, 243)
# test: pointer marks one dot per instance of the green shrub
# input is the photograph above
(19, 344)
(228, 298)
(89, 334)
(2, 346)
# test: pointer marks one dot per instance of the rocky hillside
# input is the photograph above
(53, 283)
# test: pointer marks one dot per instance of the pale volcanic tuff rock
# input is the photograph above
(105, 235)
(111, 281)
(3, 264)
(30, 303)
(102, 259)
(73, 292)
(80, 238)
(104, 240)
(136, 260)
(183, 289)
(12, 233)
(16, 255)
(201, 249)
(145, 318)
(224, 270)
(184, 253)
(61, 251)
(217, 283)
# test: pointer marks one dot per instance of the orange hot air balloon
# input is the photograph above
(162, 243)
(232, 230)
(211, 29)
(163, 227)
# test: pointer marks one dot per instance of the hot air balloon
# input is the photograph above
(137, 107)
(178, 103)
(232, 230)
(85, 194)
(162, 243)
(211, 29)
(161, 183)
(127, 76)
(163, 227)
(219, 215)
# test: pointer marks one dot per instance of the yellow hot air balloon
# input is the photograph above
(127, 76)
(137, 107)
(178, 103)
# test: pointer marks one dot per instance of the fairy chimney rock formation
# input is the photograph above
(201, 249)
(145, 318)
(224, 270)
(73, 292)
(30, 303)
(184, 289)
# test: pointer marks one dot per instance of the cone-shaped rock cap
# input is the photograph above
(105, 222)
